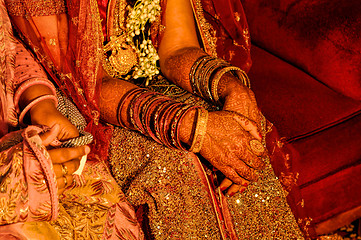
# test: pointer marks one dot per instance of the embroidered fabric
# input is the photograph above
(180, 190)
(35, 7)
(93, 206)
(177, 187)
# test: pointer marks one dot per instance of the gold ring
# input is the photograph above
(64, 169)
(256, 147)
(65, 181)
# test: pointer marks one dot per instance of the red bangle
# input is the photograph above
(174, 131)
(34, 102)
(25, 85)
(122, 102)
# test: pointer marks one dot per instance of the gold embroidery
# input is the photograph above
(178, 202)
(7, 210)
(52, 42)
(80, 221)
(42, 212)
(38, 180)
(246, 36)
(84, 206)
(289, 180)
(237, 16)
(179, 205)
(35, 7)
(206, 30)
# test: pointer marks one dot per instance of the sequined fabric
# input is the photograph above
(167, 181)
(180, 192)
(35, 7)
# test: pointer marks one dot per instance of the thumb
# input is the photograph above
(248, 125)
(50, 135)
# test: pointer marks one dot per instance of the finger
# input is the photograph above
(60, 191)
(234, 189)
(226, 183)
(50, 135)
(232, 175)
(64, 181)
(237, 188)
(244, 157)
(248, 125)
(249, 158)
(246, 172)
(62, 155)
(70, 166)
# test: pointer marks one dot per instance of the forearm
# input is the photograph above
(179, 39)
(180, 47)
(111, 95)
(153, 114)
(30, 84)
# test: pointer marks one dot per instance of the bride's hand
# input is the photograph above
(231, 148)
(240, 99)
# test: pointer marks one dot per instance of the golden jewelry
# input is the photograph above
(120, 55)
(64, 169)
(256, 147)
(215, 81)
(122, 58)
(65, 181)
(200, 130)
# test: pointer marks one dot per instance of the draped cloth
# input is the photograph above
(92, 207)
(175, 191)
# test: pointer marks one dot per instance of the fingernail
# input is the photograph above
(87, 150)
(223, 188)
(241, 191)
(245, 185)
(232, 194)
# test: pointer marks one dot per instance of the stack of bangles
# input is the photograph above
(207, 71)
(159, 117)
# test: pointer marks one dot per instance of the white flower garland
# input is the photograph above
(143, 12)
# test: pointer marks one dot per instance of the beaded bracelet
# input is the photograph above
(200, 130)
(34, 102)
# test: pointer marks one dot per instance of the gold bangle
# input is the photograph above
(200, 130)
(241, 75)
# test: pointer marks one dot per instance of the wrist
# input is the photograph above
(228, 85)
(42, 110)
(187, 127)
